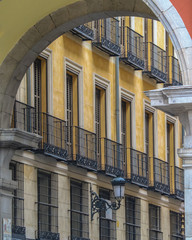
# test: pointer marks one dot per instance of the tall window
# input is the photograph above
(168, 143)
(79, 211)
(176, 226)
(107, 222)
(18, 199)
(47, 204)
(155, 223)
(133, 218)
(147, 133)
(97, 118)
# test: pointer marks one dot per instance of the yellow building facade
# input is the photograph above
(93, 131)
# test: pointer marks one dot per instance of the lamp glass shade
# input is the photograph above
(119, 192)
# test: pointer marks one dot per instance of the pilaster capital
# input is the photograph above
(186, 155)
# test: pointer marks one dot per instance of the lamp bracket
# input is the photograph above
(98, 204)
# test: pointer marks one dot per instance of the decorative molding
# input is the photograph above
(76, 69)
(104, 84)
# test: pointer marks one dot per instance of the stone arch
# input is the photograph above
(46, 30)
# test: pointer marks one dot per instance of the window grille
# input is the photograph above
(79, 210)
(155, 223)
(133, 218)
(179, 183)
(18, 228)
(47, 205)
(176, 226)
(107, 219)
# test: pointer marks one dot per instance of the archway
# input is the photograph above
(55, 23)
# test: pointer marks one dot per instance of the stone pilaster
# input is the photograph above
(11, 140)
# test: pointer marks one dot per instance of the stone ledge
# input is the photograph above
(8, 184)
(16, 138)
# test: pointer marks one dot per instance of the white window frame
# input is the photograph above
(129, 97)
(147, 107)
(104, 84)
(46, 54)
(174, 121)
(76, 69)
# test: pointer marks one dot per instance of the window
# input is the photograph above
(18, 199)
(79, 211)
(176, 226)
(107, 223)
(155, 223)
(149, 133)
(47, 205)
(133, 218)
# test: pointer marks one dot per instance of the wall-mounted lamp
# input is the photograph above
(98, 204)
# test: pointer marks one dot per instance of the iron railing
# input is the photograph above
(156, 62)
(132, 48)
(139, 168)
(23, 117)
(84, 148)
(54, 133)
(179, 183)
(107, 36)
(175, 77)
(111, 157)
(161, 176)
(84, 31)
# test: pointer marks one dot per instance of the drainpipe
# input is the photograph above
(117, 97)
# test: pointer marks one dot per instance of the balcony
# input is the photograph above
(175, 78)
(84, 31)
(132, 48)
(42, 235)
(111, 158)
(161, 176)
(107, 36)
(155, 63)
(18, 232)
(84, 148)
(179, 183)
(139, 168)
(23, 117)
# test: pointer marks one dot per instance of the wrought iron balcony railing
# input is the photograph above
(111, 158)
(107, 36)
(139, 168)
(54, 133)
(41, 235)
(23, 116)
(155, 62)
(175, 77)
(132, 48)
(179, 183)
(161, 176)
(18, 232)
(84, 31)
(84, 148)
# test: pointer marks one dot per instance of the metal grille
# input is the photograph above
(174, 69)
(97, 119)
(84, 31)
(132, 48)
(85, 148)
(107, 222)
(23, 115)
(176, 226)
(47, 205)
(156, 64)
(37, 93)
(179, 183)
(155, 223)
(107, 36)
(133, 218)
(113, 155)
(139, 168)
(79, 211)
(18, 228)
(161, 176)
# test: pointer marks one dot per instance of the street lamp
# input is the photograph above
(98, 204)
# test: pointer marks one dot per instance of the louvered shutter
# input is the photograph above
(97, 118)
(37, 93)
